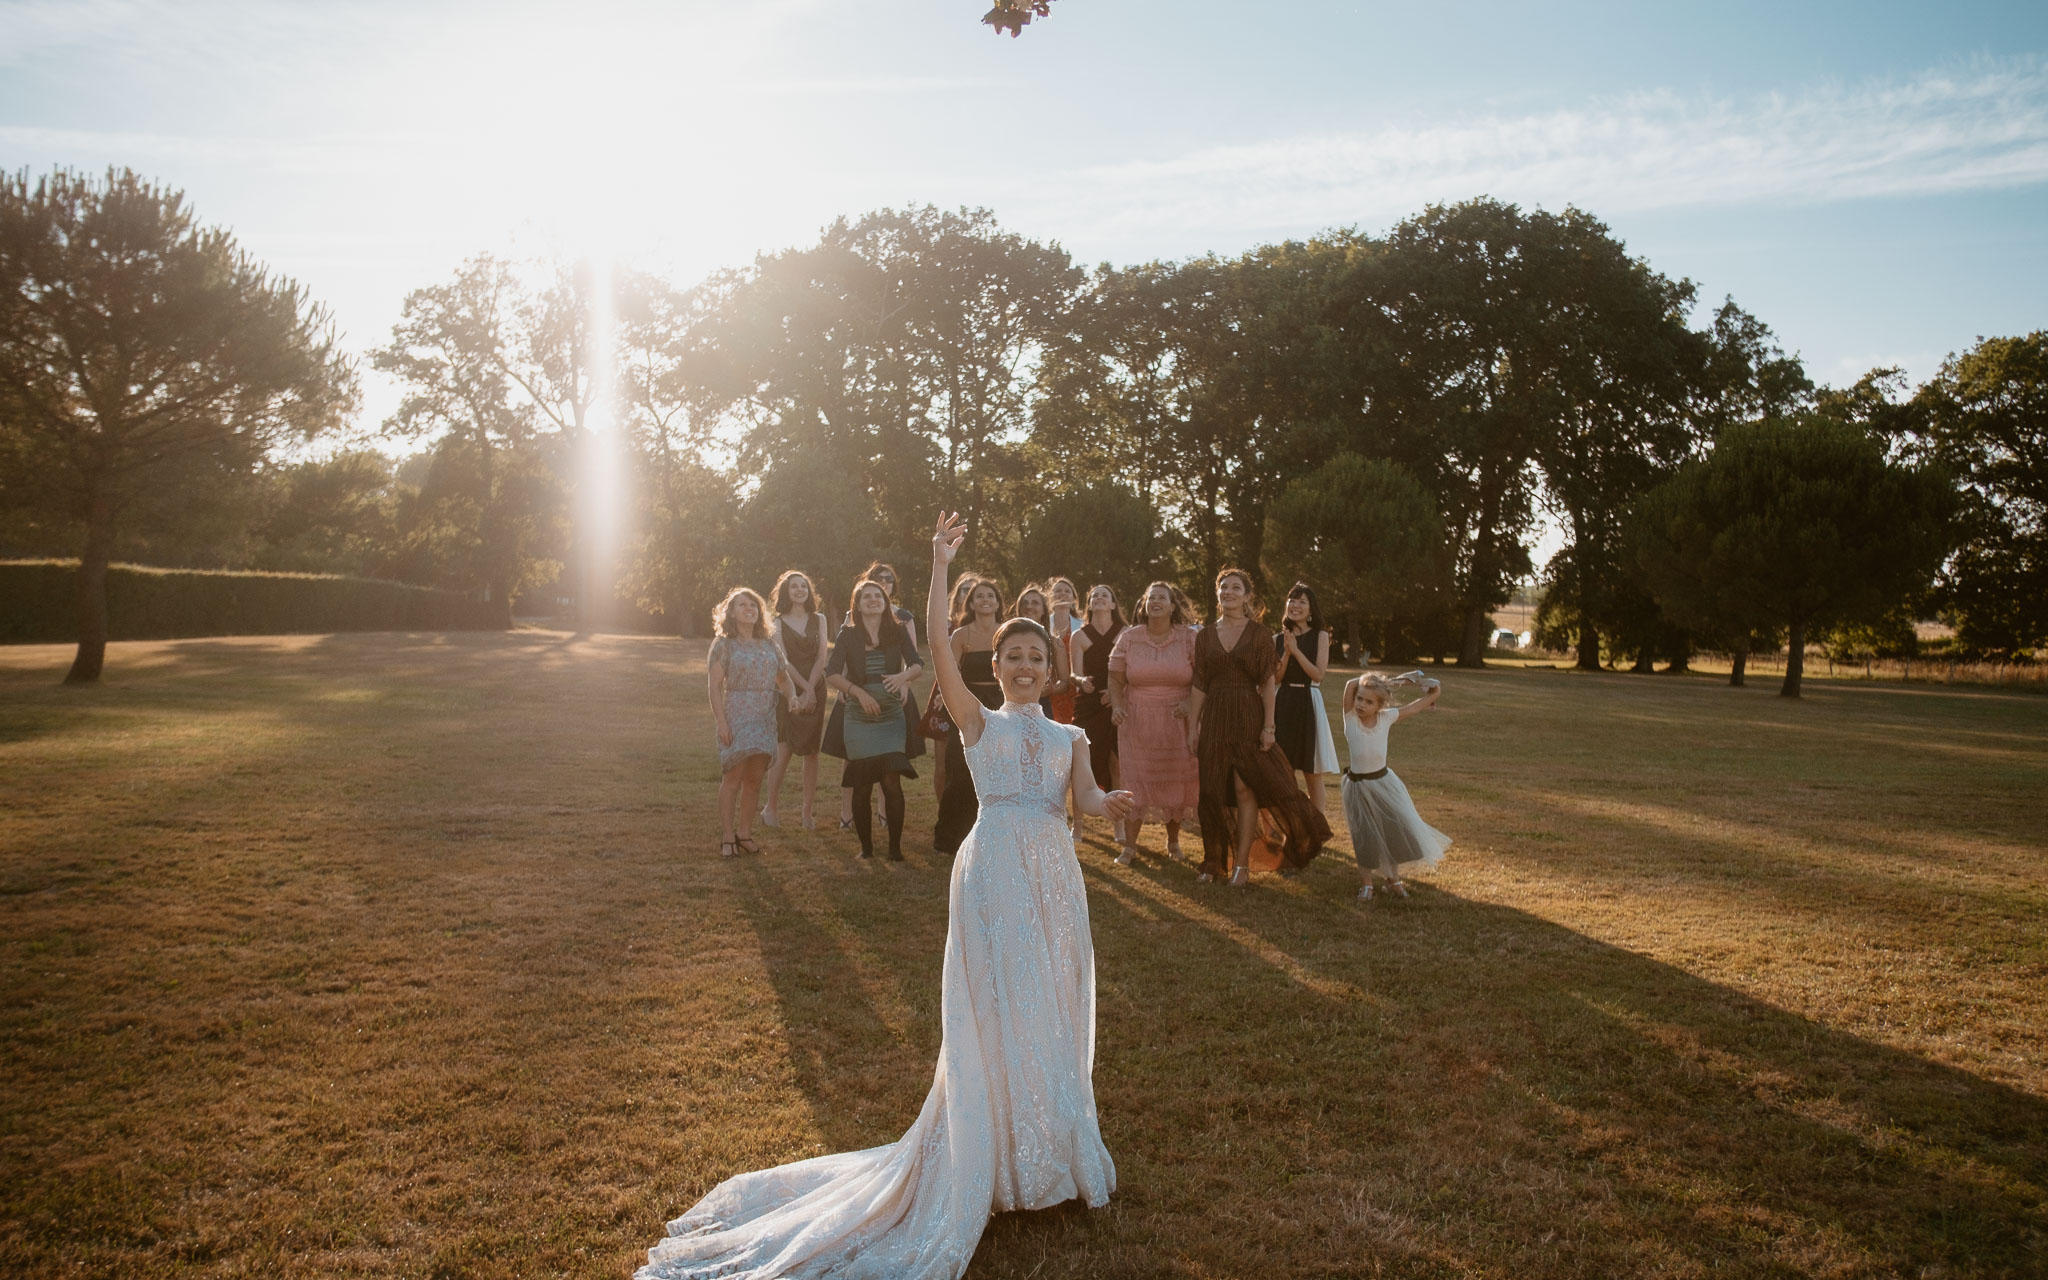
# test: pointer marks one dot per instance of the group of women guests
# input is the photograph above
(1202, 722)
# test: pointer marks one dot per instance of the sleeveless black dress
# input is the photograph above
(1295, 703)
(1091, 710)
(801, 730)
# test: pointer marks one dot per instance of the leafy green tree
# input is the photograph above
(140, 353)
(901, 345)
(1803, 522)
(686, 509)
(1098, 533)
(1749, 377)
(330, 515)
(1984, 417)
(1468, 362)
(453, 348)
(1366, 535)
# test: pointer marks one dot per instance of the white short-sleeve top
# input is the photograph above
(1368, 743)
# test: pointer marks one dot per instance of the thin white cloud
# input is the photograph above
(1980, 127)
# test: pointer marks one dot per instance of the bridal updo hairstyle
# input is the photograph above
(1031, 626)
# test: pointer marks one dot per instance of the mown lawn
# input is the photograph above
(411, 955)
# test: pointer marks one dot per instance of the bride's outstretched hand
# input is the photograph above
(946, 538)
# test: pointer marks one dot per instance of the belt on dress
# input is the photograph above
(1030, 804)
(1380, 772)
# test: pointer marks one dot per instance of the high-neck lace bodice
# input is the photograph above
(1022, 759)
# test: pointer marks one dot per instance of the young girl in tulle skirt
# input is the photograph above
(1387, 834)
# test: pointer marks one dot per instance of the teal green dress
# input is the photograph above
(873, 745)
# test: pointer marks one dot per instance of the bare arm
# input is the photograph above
(1089, 797)
(1081, 643)
(1196, 697)
(1421, 704)
(1321, 666)
(1269, 688)
(714, 687)
(964, 707)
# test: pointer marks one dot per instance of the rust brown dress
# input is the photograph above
(1233, 715)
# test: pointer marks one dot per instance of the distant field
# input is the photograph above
(383, 955)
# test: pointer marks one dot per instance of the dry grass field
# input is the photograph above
(394, 955)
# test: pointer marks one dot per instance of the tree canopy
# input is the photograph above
(1800, 521)
(143, 356)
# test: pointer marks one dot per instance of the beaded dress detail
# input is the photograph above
(1010, 1121)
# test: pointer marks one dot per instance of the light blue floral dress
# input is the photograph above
(750, 694)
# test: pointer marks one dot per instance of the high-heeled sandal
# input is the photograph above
(1205, 878)
(1399, 888)
(1241, 878)
(747, 846)
(1365, 893)
(727, 849)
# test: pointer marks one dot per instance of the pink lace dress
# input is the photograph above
(1152, 742)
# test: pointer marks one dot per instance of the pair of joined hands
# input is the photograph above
(897, 683)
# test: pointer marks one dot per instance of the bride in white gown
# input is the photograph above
(1010, 1119)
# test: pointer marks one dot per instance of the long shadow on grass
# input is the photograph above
(1512, 1054)
(1287, 1081)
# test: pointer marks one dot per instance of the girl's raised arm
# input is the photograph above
(1423, 703)
(962, 705)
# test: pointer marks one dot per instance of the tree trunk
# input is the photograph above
(1589, 642)
(1357, 649)
(1795, 660)
(1681, 656)
(501, 603)
(1472, 651)
(1738, 663)
(1645, 662)
(92, 597)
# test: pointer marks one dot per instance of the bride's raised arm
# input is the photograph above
(961, 704)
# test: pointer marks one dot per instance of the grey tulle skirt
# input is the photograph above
(1387, 835)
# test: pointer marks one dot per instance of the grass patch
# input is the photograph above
(412, 955)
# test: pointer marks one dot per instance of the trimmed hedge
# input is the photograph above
(39, 604)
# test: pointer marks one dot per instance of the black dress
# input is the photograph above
(801, 730)
(1295, 704)
(958, 805)
(1091, 710)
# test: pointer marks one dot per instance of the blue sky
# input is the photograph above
(1870, 179)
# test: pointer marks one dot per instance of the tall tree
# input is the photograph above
(1803, 522)
(900, 346)
(670, 411)
(453, 349)
(1463, 295)
(1984, 416)
(1367, 536)
(1628, 369)
(139, 349)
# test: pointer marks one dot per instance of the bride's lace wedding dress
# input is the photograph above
(1010, 1120)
